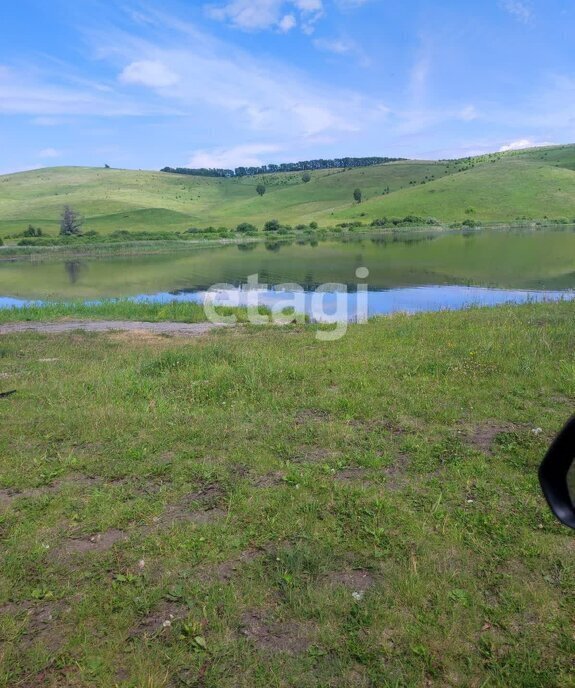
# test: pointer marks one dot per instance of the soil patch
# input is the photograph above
(41, 622)
(356, 580)
(353, 475)
(160, 619)
(197, 507)
(311, 415)
(226, 570)
(306, 454)
(9, 495)
(289, 637)
(101, 542)
(269, 480)
(483, 436)
(137, 328)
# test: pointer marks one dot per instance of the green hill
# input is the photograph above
(536, 183)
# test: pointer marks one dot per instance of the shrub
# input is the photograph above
(32, 231)
(246, 228)
(272, 226)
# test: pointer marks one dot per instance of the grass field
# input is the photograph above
(257, 508)
(537, 184)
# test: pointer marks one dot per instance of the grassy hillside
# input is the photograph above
(258, 509)
(538, 183)
(510, 188)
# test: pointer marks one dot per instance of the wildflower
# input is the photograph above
(358, 596)
(537, 431)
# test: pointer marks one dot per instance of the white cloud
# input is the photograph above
(230, 86)
(419, 77)
(522, 144)
(287, 23)
(522, 11)
(350, 4)
(257, 15)
(54, 98)
(49, 153)
(149, 73)
(339, 46)
(315, 119)
(469, 113)
(49, 121)
(247, 155)
(309, 5)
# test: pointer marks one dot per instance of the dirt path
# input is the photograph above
(185, 329)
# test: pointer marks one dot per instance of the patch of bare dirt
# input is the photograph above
(380, 425)
(353, 475)
(42, 622)
(399, 465)
(136, 328)
(100, 542)
(311, 415)
(307, 454)
(181, 514)
(269, 479)
(53, 677)
(198, 507)
(226, 570)
(356, 580)
(289, 637)
(9, 495)
(160, 619)
(483, 436)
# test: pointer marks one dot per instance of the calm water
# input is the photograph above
(406, 272)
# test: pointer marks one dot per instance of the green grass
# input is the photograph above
(537, 183)
(117, 310)
(403, 452)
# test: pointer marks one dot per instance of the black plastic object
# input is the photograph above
(553, 474)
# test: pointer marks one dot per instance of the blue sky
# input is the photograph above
(143, 84)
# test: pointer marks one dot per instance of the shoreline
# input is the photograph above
(162, 246)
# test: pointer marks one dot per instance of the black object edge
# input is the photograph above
(553, 474)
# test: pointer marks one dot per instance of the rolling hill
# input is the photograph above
(536, 184)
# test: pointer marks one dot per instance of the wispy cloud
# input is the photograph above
(520, 144)
(522, 11)
(343, 46)
(28, 91)
(257, 15)
(49, 153)
(339, 46)
(148, 73)
(249, 155)
(269, 99)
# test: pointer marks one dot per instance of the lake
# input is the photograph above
(407, 272)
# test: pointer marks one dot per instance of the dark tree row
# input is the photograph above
(284, 167)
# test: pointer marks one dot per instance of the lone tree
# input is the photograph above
(71, 222)
(357, 195)
(261, 189)
(306, 177)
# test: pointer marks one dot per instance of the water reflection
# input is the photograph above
(406, 271)
(73, 269)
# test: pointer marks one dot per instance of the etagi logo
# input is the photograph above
(330, 304)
